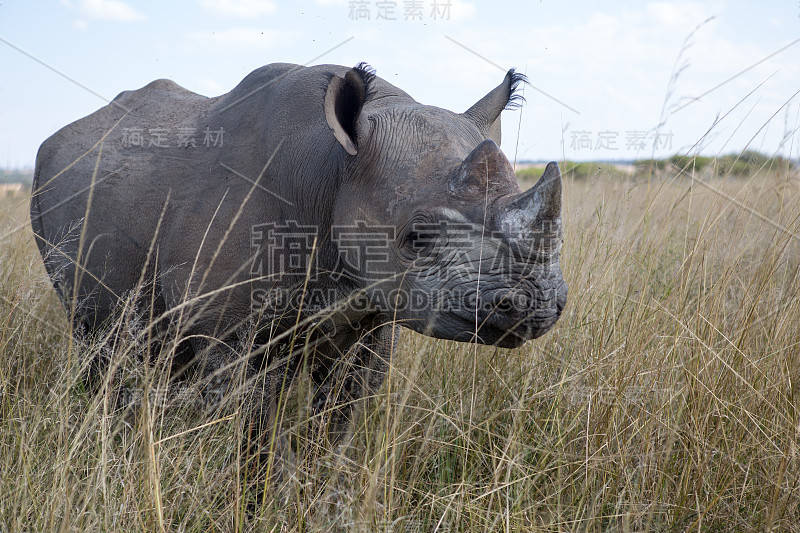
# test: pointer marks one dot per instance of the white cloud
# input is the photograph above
(461, 10)
(240, 8)
(115, 10)
(110, 10)
(612, 65)
(677, 14)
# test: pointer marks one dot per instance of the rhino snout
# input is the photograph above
(509, 317)
(511, 304)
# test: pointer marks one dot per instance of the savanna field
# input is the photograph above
(666, 398)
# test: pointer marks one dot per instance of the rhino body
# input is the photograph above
(306, 213)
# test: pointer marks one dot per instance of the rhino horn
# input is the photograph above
(486, 166)
(535, 213)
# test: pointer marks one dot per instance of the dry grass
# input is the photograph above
(665, 399)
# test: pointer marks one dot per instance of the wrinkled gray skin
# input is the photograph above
(322, 147)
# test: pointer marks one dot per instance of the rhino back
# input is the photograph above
(276, 161)
(95, 192)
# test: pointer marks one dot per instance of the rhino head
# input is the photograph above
(445, 241)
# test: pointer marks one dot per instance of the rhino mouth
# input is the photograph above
(508, 317)
(490, 332)
(502, 330)
(493, 336)
(502, 316)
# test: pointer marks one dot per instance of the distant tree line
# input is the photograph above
(744, 164)
(16, 176)
(747, 163)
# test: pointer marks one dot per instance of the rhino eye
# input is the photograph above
(419, 241)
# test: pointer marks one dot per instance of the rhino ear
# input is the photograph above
(485, 114)
(343, 102)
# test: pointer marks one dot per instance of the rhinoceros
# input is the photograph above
(295, 222)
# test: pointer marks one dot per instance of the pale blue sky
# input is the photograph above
(610, 62)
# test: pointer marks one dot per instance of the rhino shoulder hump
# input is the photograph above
(159, 86)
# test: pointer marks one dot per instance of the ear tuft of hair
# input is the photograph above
(516, 100)
(367, 74)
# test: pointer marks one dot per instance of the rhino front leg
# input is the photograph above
(345, 383)
(230, 382)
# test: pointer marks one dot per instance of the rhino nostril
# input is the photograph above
(504, 306)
